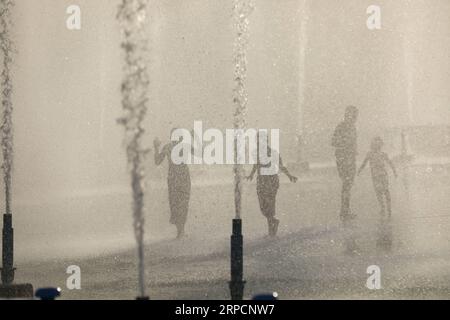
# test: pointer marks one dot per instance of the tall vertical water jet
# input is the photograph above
(242, 10)
(409, 47)
(132, 16)
(6, 47)
(409, 78)
(304, 19)
(7, 88)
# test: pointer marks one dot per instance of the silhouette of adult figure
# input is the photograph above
(179, 183)
(345, 143)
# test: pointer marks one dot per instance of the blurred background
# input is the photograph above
(307, 60)
(66, 82)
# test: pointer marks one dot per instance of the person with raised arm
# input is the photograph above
(178, 180)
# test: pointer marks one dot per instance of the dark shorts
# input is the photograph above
(267, 189)
(380, 183)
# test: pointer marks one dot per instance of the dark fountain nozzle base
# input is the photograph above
(237, 283)
(8, 250)
(7, 289)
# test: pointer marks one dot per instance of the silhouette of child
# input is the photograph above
(267, 187)
(380, 178)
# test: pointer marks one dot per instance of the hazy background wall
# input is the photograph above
(397, 76)
(67, 82)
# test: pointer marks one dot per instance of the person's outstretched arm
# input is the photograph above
(252, 174)
(364, 164)
(195, 145)
(286, 172)
(391, 164)
(159, 156)
(336, 137)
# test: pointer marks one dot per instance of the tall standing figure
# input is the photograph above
(345, 143)
(179, 183)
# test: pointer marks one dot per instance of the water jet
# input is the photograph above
(8, 289)
(242, 11)
(132, 16)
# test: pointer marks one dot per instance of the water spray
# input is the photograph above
(132, 16)
(8, 289)
(304, 43)
(6, 48)
(242, 11)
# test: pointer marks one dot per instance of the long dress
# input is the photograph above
(267, 189)
(179, 185)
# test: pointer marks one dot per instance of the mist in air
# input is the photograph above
(305, 62)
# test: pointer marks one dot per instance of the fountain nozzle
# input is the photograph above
(8, 269)
(237, 283)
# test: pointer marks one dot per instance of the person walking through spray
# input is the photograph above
(345, 143)
(268, 184)
(179, 184)
(380, 178)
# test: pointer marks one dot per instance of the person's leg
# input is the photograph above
(263, 205)
(344, 190)
(267, 206)
(180, 230)
(388, 202)
(351, 180)
(172, 204)
(378, 185)
(347, 172)
(177, 215)
(183, 202)
(179, 206)
(380, 198)
(273, 222)
(346, 195)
